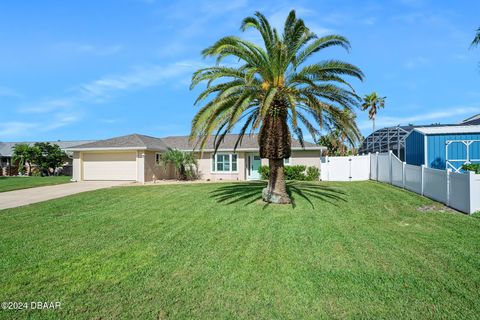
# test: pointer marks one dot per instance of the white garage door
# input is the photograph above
(110, 166)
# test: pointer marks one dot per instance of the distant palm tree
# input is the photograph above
(476, 40)
(372, 102)
(271, 88)
(23, 156)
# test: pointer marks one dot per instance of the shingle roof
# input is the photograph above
(6, 148)
(249, 142)
(131, 141)
(137, 141)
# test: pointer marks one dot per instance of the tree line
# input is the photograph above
(43, 156)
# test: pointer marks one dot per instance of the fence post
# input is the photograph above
(350, 168)
(422, 177)
(403, 174)
(327, 166)
(390, 169)
(376, 167)
(448, 187)
(370, 165)
(471, 179)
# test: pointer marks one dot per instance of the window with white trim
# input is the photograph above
(224, 162)
(286, 161)
(158, 159)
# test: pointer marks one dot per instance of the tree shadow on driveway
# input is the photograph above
(250, 192)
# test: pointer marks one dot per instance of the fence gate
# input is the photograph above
(461, 153)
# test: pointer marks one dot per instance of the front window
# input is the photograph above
(158, 158)
(286, 161)
(224, 162)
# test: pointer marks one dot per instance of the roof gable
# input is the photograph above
(131, 141)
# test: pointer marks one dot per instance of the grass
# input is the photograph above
(205, 251)
(16, 183)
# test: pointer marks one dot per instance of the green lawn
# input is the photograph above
(205, 251)
(16, 183)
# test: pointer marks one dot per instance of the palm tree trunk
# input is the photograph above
(276, 191)
(275, 145)
(373, 120)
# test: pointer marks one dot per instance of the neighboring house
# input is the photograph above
(136, 157)
(443, 147)
(6, 152)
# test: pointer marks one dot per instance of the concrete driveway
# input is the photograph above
(17, 198)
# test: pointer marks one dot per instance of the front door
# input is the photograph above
(254, 162)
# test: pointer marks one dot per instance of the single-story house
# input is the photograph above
(136, 157)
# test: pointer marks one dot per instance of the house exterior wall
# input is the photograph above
(415, 149)
(76, 170)
(153, 171)
(148, 170)
(205, 168)
(299, 157)
(309, 158)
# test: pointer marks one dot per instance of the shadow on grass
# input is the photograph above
(250, 192)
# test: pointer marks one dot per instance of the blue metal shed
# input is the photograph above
(443, 147)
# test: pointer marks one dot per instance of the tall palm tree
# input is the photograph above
(271, 89)
(373, 102)
(476, 40)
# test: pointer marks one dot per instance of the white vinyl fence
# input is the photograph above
(460, 191)
(457, 190)
(354, 168)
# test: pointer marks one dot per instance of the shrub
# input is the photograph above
(313, 174)
(475, 167)
(295, 173)
(299, 173)
(263, 170)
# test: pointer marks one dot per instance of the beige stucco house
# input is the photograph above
(136, 157)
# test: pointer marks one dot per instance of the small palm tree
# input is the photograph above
(184, 163)
(22, 156)
(476, 40)
(272, 90)
(372, 102)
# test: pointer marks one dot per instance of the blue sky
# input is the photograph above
(96, 69)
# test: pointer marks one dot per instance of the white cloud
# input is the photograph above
(369, 21)
(15, 128)
(7, 92)
(63, 111)
(426, 118)
(416, 62)
(47, 106)
(60, 120)
(105, 87)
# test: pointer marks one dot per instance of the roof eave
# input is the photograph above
(319, 148)
(107, 149)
